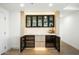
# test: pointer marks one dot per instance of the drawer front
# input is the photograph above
(39, 44)
(39, 38)
(30, 41)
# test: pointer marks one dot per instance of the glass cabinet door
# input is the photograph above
(50, 21)
(34, 21)
(28, 21)
(45, 21)
(39, 21)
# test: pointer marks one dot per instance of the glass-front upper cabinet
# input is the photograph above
(51, 21)
(40, 21)
(28, 21)
(45, 21)
(34, 21)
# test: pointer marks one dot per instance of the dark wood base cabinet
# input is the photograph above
(22, 43)
(30, 41)
(27, 41)
(52, 41)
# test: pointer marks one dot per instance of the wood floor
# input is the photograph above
(68, 50)
(65, 50)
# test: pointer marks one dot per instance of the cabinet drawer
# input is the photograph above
(39, 38)
(40, 44)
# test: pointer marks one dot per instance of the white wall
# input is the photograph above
(12, 28)
(69, 29)
(4, 30)
(15, 29)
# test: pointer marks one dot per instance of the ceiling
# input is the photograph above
(39, 6)
(42, 7)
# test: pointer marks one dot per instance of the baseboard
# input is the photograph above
(4, 51)
(70, 45)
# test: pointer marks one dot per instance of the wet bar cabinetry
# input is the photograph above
(44, 41)
(40, 21)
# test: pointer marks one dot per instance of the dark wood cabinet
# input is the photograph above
(58, 43)
(30, 41)
(27, 41)
(22, 43)
(52, 41)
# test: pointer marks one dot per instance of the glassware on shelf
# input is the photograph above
(34, 21)
(40, 21)
(28, 21)
(45, 21)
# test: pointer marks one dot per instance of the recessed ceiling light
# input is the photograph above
(50, 4)
(21, 5)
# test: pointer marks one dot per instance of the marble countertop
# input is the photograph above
(41, 34)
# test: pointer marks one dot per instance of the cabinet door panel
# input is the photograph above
(45, 21)
(28, 21)
(51, 24)
(50, 40)
(34, 21)
(39, 21)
